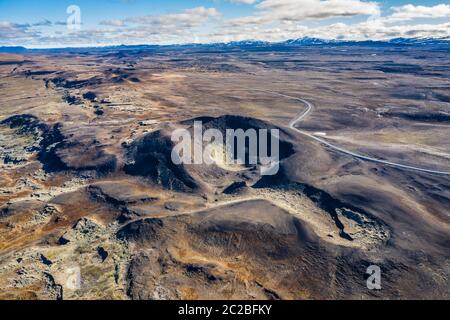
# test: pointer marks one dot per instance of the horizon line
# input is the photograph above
(445, 39)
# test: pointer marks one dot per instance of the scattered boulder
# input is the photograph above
(85, 225)
(103, 254)
(91, 96)
(63, 240)
(45, 260)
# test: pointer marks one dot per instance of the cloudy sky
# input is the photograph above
(60, 23)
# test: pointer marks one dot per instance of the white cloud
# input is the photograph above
(272, 20)
(188, 18)
(376, 30)
(410, 12)
(295, 11)
(380, 31)
(114, 23)
(298, 10)
(43, 23)
(11, 31)
(281, 19)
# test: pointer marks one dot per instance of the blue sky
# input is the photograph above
(26, 11)
(104, 22)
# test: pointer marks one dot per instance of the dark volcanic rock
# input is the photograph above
(45, 260)
(8, 159)
(399, 68)
(62, 241)
(235, 187)
(50, 137)
(75, 84)
(29, 73)
(25, 123)
(420, 116)
(321, 198)
(102, 253)
(142, 230)
(233, 122)
(65, 153)
(56, 152)
(273, 243)
(71, 99)
(96, 193)
(117, 195)
(91, 96)
(150, 157)
(99, 112)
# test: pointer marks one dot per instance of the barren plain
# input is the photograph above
(91, 206)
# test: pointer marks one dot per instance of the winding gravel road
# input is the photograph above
(309, 109)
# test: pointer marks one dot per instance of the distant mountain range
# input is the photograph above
(395, 41)
(306, 41)
(13, 49)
